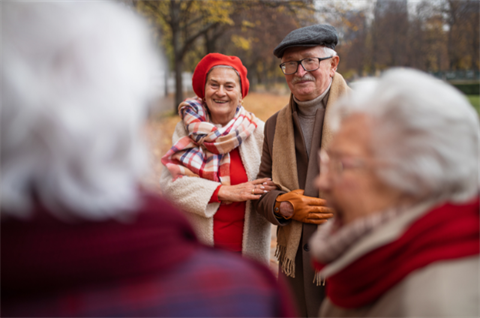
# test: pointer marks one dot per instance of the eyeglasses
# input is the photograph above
(335, 167)
(309, 64)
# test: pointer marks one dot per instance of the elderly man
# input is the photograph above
(402, 173)
(293, 137)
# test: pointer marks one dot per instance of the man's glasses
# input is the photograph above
(309, 64)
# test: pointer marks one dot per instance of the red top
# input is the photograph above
(229, 220)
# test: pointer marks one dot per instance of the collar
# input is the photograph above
(309, 107)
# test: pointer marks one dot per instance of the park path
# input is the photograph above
(165, 103)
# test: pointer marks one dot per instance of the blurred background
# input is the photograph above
(437, 36)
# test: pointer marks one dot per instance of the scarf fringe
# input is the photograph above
(286, 265)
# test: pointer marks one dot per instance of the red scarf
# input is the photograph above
(44, 254)
(445, 233)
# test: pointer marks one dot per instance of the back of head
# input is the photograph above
(424, 128)
(76, 79)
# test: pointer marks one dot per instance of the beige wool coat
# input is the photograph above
(193, 194)
(441, 289)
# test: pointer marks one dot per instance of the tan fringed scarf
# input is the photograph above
(284, 171)
(288, 237)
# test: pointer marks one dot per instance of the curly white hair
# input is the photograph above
(76, 85)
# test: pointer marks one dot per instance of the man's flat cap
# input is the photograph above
(318, 34)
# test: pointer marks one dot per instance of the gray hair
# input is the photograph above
(76, 79)
(226, 66)
(424, 128)
(328, 51)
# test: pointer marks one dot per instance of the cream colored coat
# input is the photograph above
(441, 289)
(193, 195)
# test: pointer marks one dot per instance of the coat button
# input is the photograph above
(306, 248)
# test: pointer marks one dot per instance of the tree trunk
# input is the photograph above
(178, 81)
(178, 59)
(210, 42)
(474, 19)
(165, 78)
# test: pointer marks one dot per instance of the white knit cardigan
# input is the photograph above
(193, 194)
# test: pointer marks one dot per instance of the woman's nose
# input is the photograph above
(221, 91)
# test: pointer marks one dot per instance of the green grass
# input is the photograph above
(475, 101)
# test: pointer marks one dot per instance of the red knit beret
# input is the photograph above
(210, 60)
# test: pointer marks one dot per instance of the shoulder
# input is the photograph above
(446, 288)
(242, 286)
(226, 264)
(271, 122)
(442, 288)
(339, 85)
(237, 272)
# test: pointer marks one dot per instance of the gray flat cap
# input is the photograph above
(318, 34)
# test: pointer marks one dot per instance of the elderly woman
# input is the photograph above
(214, 161)
(402, 173)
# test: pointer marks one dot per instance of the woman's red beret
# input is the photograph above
(210, 60)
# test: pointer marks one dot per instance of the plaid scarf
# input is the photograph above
(205, 151)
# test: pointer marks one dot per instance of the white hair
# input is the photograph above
(328, 51)
(424, 128)
(76, 86)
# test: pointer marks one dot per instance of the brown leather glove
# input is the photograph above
(306, 209)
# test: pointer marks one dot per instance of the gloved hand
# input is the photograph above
(306, 209)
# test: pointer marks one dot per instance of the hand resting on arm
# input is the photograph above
(251, 190)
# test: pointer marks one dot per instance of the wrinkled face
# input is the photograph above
(348, 180)
(309, 85)
(222, 94)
